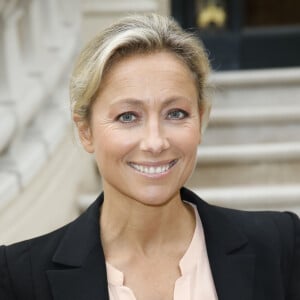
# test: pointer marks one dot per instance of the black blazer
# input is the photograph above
(253, 256)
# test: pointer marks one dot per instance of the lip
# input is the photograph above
(153, 169)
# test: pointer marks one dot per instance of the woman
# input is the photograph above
(138, 101)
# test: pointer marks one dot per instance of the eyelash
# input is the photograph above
(183, 113)
(127, 113)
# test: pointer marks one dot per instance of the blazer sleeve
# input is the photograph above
(6, 291)
(294, 282)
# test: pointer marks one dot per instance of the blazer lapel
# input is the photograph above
(81, 271)
(231, 259)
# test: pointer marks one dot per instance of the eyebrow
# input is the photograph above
(138, 102)
(129, 101)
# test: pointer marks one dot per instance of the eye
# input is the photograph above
(127, 117)
(177, 114)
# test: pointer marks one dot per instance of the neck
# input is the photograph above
(134, 226)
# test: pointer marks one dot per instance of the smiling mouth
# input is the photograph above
(153, 170)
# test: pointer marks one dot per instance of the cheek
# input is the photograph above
(192, 142)
(189, 138)
(111, 143)
(187, 144)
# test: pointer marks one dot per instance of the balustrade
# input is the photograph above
(38, 41)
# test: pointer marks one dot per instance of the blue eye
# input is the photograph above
(177, 114)
(127, 117)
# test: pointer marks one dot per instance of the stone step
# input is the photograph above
(253, 125)
(256, 88)
(259, 77)
(260, 197)
(237, 165)
(222, 175)
(251, 134)
(254, 106)
(273, 197)
(229, 154)
(258, 115)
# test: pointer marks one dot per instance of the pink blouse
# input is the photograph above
(195, 282)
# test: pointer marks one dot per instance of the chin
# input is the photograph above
(155, 196)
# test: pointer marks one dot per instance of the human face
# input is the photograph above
(145, 128)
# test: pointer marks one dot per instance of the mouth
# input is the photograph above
(153, 169)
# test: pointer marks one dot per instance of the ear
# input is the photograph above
(204, 112)
(84, 133)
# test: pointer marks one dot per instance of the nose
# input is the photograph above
(154, 139)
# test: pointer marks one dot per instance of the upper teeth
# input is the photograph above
(152, 170)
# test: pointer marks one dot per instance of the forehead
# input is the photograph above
(147, 70)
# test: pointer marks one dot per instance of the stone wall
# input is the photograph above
(98, 14)
(40, 168)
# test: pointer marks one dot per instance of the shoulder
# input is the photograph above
(24, 265)
(281, 226)
(275, 240)
(254, 224)
(281, 222)
(19, 261)
(45, 244)
(271, 233)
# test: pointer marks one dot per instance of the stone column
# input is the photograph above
(11, 65)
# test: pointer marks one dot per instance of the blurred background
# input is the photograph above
(250, 155)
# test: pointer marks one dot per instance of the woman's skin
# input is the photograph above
(144, 131)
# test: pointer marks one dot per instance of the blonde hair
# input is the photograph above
(141, 34)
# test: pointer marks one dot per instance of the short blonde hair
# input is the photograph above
(142, 34)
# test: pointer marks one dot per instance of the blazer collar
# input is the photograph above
(81, 270)
(230, 255)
